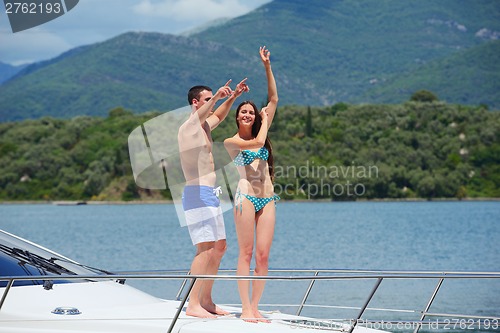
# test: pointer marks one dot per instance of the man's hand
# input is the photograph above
(224, 91)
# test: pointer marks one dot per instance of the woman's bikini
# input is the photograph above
(246, 157)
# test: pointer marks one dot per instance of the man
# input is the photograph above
(200, 198)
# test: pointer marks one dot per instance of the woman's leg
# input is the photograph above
(265, 221)
(244, 217)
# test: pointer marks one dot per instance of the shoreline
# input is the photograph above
(158, 202)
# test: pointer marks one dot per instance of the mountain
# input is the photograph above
(139, 71)
(470, 74)
(323, 52)
(7, 71)
(210, 24)
(332, 51)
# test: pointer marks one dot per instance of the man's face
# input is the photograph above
(204, 97)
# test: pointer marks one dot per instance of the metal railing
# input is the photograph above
(313, 276)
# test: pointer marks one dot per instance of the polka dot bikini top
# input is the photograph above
(245, 157)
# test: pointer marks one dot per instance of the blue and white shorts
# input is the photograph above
(203, 214)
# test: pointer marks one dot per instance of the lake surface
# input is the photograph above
(438, 236)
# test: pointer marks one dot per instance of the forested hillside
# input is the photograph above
(469, 72)
(339, 152)
(7, 71)
(323, 52)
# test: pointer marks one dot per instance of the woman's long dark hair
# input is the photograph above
(255, 130)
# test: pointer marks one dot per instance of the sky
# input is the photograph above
(92, 21)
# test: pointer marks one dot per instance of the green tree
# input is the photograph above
(424, 96)
(309, 126)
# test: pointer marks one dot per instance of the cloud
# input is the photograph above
(32, 44)
(191, 10)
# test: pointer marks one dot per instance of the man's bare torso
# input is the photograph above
(195, 147)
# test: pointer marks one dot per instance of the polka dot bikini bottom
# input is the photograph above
(259, 203)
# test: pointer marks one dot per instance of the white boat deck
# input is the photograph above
(107, 306)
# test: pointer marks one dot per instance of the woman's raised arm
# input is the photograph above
(272, 90)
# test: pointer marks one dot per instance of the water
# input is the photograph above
(442, 236)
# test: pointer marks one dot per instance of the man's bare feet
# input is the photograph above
(259, 317)
(215, 310)
(198, 311)
(247, 315)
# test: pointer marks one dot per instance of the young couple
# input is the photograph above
(254, 200)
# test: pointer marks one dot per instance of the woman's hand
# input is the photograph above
(241, 87)
(265, 55)
(263, 114)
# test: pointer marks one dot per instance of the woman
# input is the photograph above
(254, 211)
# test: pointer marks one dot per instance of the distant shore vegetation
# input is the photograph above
(421, 149)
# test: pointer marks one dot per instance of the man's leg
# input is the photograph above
(212, 269)
(199, 266)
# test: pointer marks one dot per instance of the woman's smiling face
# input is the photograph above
(246, 115)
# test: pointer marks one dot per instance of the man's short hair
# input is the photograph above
(194, 92)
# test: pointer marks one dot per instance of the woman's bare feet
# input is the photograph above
(247, 315)
(259, 317)
(198, 311)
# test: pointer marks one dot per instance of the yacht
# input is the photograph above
(43, 291)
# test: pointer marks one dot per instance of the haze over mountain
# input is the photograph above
(323, 52)
(7, 71)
